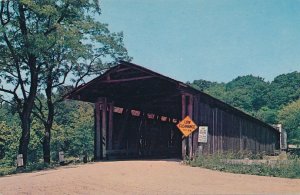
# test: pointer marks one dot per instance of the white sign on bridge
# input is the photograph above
(202, 136)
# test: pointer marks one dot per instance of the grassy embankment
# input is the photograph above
(250, 164)
(6, 169)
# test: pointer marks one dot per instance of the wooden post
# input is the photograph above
(183, 113)
(190, 138)
(110, 126)
(122, 128)
(241, 138)
(104, 126)
(97, 145)
(95, 134)
(197, 150)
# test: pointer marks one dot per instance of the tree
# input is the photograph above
(72, 129)
(42, 42)
(203, 85)
(72, 58)
(266, 114)
(289, 117)
(247, 92)
(82, 50)
(284, 89)
(19, 63)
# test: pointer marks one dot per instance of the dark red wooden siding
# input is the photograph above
(231, 131)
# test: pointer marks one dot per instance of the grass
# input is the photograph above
(8, 170)
(280, 168)
(37, 166)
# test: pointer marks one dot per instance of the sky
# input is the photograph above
(215, 40)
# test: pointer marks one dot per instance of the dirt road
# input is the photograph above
(142, 177)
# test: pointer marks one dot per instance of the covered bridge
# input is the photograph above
(137, 110)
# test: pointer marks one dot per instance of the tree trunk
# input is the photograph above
(46, 144)
(25, 137)
(25, 114)
(49, 122)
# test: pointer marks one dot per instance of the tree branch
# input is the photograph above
(39, 117)
(4, 22)
(6, 101)
(65, 77)
(88, 70)
(22, 23)
(7, 91)
(40, 109)
(17, 65)
(9, 72)
(15, 95)
(59, 20)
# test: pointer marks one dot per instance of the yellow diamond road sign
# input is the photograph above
(187, 126)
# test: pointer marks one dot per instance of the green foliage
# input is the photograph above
(289, 116)
(35, 151)
(247, 93)
(9, 137)
(203, 85)
(73, 132)
(9, 140)
(267, 114)
(272, 102)
(222, 162)
(254, 95)
(284, 89)
(10, 133)
(8, 170)
(83, 132)
(43, 44)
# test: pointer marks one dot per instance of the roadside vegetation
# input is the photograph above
(249, 164)
(6, 169)
(49, 47)
(72, 133)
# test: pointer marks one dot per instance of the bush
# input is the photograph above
(7, 170)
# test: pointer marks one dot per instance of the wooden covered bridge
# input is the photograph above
(137, 110)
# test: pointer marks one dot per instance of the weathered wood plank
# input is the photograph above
(196, 117)
(190, 113)
(97, 146)
(104, 126)
(183, 113)
(110, 126)
(128, 79)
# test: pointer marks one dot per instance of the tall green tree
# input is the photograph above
(41, 43)
(20, 63)
(82, 50)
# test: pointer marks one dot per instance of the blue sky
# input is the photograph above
(216, 40)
